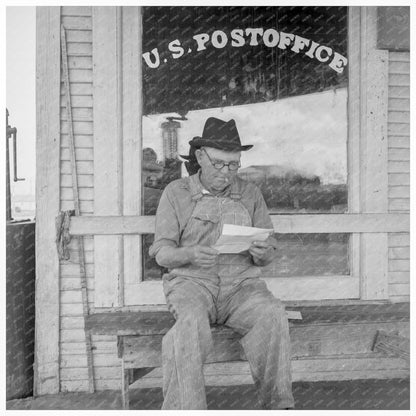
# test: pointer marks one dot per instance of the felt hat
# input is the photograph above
(221, 135)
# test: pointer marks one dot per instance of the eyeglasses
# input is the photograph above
(219, 164)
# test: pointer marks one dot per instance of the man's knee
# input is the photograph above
(272, 311)
(189, 312)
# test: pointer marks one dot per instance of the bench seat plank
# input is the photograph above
(159, 322)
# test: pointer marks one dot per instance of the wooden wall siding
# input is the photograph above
(399, 172)
(73, 361)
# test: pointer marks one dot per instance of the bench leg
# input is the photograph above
(125, 382)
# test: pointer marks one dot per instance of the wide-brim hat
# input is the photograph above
(221, 135)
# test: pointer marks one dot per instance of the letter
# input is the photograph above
(271, 38)
(311, 51)
(215, 39)
(285, 40)
(319, 51)
(300, 44)
(254, 34)
(176, 49)
(338, 62)
(201, 40)
(237, 38)
(149, 62)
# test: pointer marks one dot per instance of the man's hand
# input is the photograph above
(203, 256)
(262, 252)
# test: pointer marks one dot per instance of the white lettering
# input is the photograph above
(300, 44)
(237, 38)
(149, 62)
(254, 35)
(216, 41)
(338, 62)
(271, 38)
(285, 40)
(201, 40)
(319, 51)
(311, 51)
(176, 49)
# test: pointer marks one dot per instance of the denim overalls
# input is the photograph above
(229, 293)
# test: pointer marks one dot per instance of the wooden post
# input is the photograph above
(373, 152)
(108, 169)
(47, 199)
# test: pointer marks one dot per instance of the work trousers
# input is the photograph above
(250, 309)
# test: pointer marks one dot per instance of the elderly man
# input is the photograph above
(204, 287)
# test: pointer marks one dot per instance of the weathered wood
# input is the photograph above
(80, 36)
(100, 360)
(399, 142)
(79, 49)
(354, 135)
(399, 154)
(79, 88)
(326, 368)
(399, 80)
(86, 194)
(399, 92)
(399, 179)
(81, 141)
(306, 341)
(324, 223)
(132, 104)
(398, 129)
(390, 343)
(399, 253)
(399, 239)
(399, 277)
(77, 22)
(125, 381)
(107, 141)
(399, 104)
(86, 181)
(80, 114)
(399, 289)
(399, 166)
(46, 368)
(76, 10)
(80, 127)
(399, 192)
(398, 67)
(159, 322)
(399, 204)
(399, 298)
(82, 101)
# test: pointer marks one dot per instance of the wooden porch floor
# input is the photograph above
(369, 394)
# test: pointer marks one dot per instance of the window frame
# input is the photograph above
(118, 273)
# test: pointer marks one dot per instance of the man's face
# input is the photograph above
(216, 179)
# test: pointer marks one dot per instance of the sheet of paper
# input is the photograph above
(236, 238)
(293, 315)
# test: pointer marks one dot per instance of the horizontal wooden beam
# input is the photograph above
(285, 224)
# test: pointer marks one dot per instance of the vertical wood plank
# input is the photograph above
(47, 199)
(374, 155)
(107, 169)
(132, 138)
(353, 145)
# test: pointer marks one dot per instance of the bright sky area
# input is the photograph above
(20, 92)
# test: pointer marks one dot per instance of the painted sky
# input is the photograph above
(307, 133)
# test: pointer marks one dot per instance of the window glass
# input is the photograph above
(288, 100)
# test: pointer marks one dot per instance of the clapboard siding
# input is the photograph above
(399, 171)
(78, 24)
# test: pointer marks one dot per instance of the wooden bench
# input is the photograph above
(324, 331)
